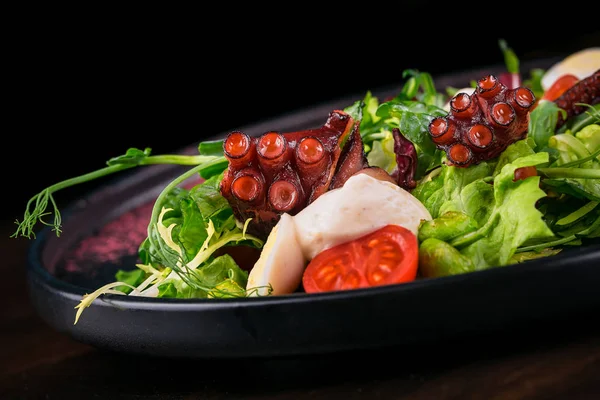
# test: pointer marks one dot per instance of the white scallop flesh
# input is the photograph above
(281, 263)
(361, 206)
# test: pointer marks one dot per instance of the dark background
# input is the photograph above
(87, 89)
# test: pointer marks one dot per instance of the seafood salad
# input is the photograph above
(427, 183)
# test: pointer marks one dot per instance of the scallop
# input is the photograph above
(281, 262)
(363, 205)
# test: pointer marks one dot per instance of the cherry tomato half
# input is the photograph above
(386, 256)
(524, 173)
(561, 85)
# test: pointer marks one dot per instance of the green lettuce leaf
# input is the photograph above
(382, 153)
(576, 149)
(590, 137)
(505, 212)
(444, 192)
(514, 219)
(542, 124)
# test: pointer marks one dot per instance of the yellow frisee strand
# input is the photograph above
(88, 299)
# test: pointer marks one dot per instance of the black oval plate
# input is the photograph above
(102, 231)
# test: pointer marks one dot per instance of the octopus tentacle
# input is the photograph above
(377, 173)
(286, 193)
(284, 172)
(352, 160)
(249, 186)
(311, 161)
(239, 149)
(273, 152)
(482, 125)
(586, 91)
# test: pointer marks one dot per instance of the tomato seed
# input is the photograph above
(373, 242)
(386, 268)
(325, 270)
(351, 280)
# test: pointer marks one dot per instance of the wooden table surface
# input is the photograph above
(554, 360)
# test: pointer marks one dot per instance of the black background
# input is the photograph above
(85, 88)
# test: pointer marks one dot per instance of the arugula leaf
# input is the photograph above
(413, 118)
(542, 123)
(510, 58)
(535, 82)
(420, 86)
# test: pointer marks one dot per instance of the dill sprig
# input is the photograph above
(35, 211)
(36, 208)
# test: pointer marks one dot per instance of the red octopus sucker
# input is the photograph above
(482, 125)
(586, 91)
(284, 172)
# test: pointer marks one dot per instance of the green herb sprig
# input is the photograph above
(36, 208)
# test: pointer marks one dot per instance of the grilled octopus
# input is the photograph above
(573, 101)
(482, 125)
(277, 173)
